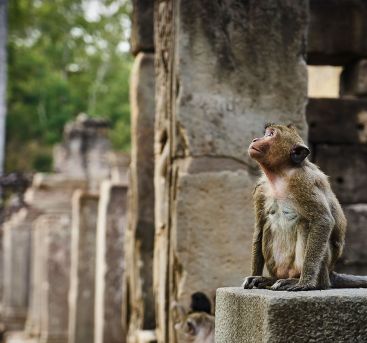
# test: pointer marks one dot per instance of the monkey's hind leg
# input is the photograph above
(258, 282)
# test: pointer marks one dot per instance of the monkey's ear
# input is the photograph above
(200, 303)
(292, 126)
(299, 152)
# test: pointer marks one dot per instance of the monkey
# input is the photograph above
(299, 223)
(196, 326)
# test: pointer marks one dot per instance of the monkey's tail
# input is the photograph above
(347, 281)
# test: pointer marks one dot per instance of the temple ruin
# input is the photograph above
(106, 246)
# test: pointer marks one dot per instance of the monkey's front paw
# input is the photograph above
(257, 282)
(284, 284)
(301, 286)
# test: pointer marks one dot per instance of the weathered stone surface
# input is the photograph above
(56, 277)
(140, 236)
(354, 259)
(83, 264)
(142, 36)
(51, 195)
(16, 264)
(18, 337)
(33, 324)
(312, 316)
(218, 82)
(337, 121)
(52, 192)
(84, 152)
(110, 266)
(119, 162)
(337, 31)
(225, 86)
(353, 80)
(347, 177)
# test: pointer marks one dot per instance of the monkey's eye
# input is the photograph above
(269, 133)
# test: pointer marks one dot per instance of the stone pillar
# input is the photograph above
(48, 311)
(16, 264)
(218, 82)
(56, 230)
(140, 236)
(85, 151)
(110, 265)
(245, 316)
(82, 270)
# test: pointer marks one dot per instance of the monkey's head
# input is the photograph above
(279, 148)
(196, 325)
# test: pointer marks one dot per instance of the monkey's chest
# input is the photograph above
(284, 243)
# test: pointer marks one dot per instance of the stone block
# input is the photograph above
(140, 236)
(353, 80)
(244, 316)
(16, 264)
(337, 121)
(354, 258)
(83, 265)
(110, 264)
(142, 35)
(337, 32)
(347, 166)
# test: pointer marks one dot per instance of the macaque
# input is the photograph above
(300, 225)
(196, 326)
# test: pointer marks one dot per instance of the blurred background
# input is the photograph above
(64, 57)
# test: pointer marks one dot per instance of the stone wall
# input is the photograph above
(218, 82)
(139, 303)
(338, 127)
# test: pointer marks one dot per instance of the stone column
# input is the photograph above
(16, 264)
(140, 236)
(110, 264)
(48, 312)
(56, 230)
(222, 71)
(244, 316)
(82, 270)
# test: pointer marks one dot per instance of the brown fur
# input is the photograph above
(300, 225)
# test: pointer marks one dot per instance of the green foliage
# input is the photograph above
(62, 63)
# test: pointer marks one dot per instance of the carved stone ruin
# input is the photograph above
(218, 82)
(83, 265)
(110, 268)
(16, 264)
(85, 150)
(50, 271)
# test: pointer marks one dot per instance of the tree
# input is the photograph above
(3, 79)
(63, 61)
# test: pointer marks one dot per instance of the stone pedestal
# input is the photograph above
(245, 316)
(223, 70)
(82, 270)
(16, 264)
(140, 235)
(110, 265)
